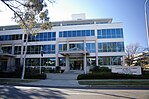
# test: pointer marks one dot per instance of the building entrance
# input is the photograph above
(76, 63)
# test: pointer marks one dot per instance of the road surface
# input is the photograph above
(24, 92)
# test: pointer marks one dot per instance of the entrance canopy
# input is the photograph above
(74, 52)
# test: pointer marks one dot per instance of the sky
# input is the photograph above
(129, 12)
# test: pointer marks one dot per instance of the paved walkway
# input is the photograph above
(58, 80)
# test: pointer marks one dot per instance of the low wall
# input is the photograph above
(133, 70)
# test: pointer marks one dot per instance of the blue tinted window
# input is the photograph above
(104, 32)
(92, 33)
(87, 46)
(118, 33)
(90, 47)
(113, 33)
(46, 36)
(109, 60)
(110, 33)
(121, 33)
(41, 35)
(53, 34)
(10, 37)
(100, 47)
(60, 47)
(60, 34)
(78, 33)
(83, 32)
(65, 33)
(87, 32)
(99, 34)
(69, 33)
(74, 33)
(111, 47)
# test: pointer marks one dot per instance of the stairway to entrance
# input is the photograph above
(66, 79)
(74, 72)
(69, 75)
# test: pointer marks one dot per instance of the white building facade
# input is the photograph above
(73, 45)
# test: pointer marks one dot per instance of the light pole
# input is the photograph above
(146, 20)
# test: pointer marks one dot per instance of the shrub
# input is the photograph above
(111, 76)
(35, 76)
(97, 69)
(104, 69)
(57, 69)
(10, 75)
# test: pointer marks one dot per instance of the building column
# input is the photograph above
(85, 69)
(57, 49)
(84, 60)
(67, 63)
(13, 45)
(67, 45)
(96, 42)
(8, 64)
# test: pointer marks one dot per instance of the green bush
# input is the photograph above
(10, 75)
(111, 76)
(97, 69)
(104, 69)
(35, 76)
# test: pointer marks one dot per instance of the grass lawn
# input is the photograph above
(115, 82)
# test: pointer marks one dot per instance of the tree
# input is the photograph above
(131, 50)
(29, 14)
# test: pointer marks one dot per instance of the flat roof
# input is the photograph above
(65, 23)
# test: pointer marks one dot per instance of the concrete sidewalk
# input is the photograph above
(58, 80)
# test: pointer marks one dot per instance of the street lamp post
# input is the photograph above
(146, 20)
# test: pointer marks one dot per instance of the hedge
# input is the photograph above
(35, 76)
(18, 75)
(111, 76)
(98, 69)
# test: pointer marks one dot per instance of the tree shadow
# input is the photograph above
(12, 92)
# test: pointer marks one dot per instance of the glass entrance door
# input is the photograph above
(76, 63)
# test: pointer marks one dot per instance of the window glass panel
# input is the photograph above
(92, 33)
(69, 33)
(108, 33)
(74, 33)
(83, 32)
(111, 47)
(78, 33)
(62, 61)
(48, 61)
(110, 60)
(104, 33)
(60, 34)
(87, 32)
